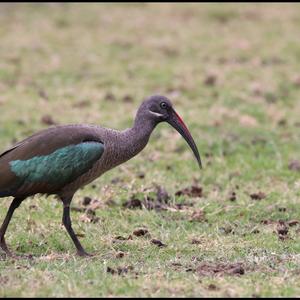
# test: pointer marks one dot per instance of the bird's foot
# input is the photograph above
(4, 247)
(8, 254)
(82, 253)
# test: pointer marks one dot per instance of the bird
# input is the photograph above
(61, 159)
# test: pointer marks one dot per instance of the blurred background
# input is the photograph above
(231, 70)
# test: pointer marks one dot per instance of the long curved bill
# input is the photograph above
(176, 122)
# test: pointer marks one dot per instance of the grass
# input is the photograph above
(232, 72)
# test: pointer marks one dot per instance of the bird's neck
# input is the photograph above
(136, 138)
(143, 125)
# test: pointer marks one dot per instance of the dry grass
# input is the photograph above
(232, 71)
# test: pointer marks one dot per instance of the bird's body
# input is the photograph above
(114, 148)
(62, 159)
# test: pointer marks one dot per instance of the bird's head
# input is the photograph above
(160, 109)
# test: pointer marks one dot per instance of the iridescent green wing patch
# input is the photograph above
(61, 166)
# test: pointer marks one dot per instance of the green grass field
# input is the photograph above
(232, 72)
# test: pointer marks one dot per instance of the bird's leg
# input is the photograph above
(15, 204)
(67, 223)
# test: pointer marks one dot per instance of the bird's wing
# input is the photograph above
(47, 161)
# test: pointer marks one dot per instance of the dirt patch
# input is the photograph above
(207, 269)
(232, 196)
(120, 270)
(268, 222)
(158, 243)
(120, 254)
(282, 230)
(158, 200)
(258, 196)
(109, 97)
(255, 231)
(141, 175)
(122, 238)
(281, 209)
(294, 165)
(48, 120)
(196, 241)
(153, 201)
(213, 287)
(127, 98)
(192, 191)
(280, 227)
(141, 232)
(86, 201)
(293, 223)
(133, 203)
(210, 79)
(88, 208)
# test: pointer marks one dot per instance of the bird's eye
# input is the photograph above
(163, 105)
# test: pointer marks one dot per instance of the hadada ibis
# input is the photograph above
(60, 160)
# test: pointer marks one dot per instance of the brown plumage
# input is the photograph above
(61, 159)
